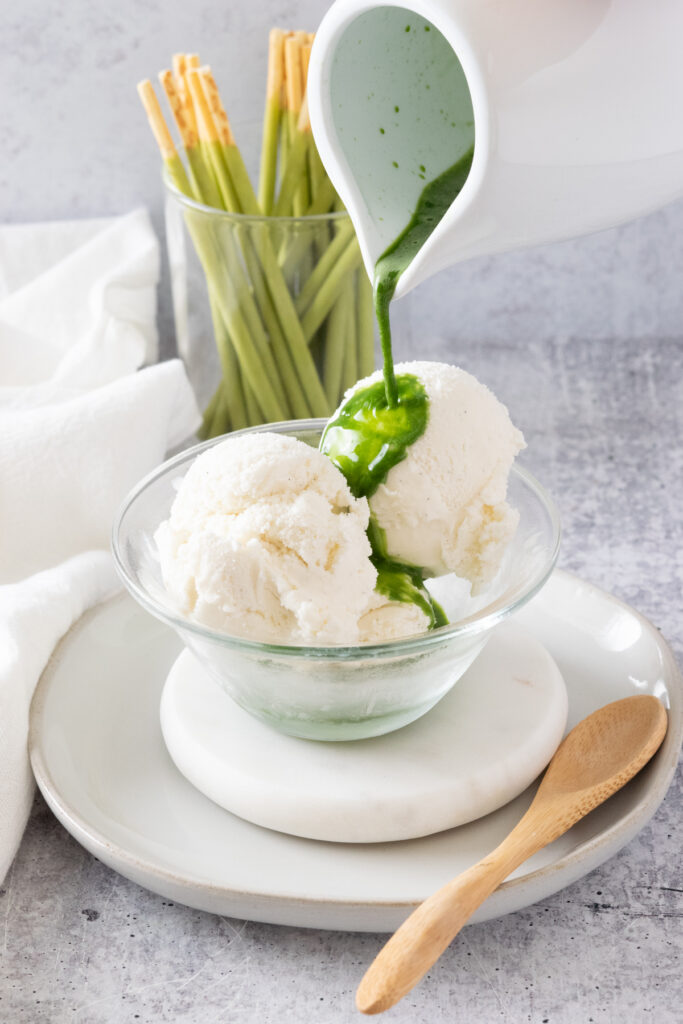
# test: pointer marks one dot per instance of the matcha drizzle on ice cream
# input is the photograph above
(398, 582)
(367, 435)
(377, 424)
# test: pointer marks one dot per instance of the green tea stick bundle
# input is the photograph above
(290, 303)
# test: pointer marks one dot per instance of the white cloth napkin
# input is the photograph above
(80, 423)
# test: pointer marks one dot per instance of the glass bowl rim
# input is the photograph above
(247, 218)
(470, 626)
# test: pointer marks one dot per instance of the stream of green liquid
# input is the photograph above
(375, 427)
(432, 204)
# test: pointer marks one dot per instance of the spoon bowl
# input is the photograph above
(599, 756)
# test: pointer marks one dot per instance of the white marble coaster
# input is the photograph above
(482, 745)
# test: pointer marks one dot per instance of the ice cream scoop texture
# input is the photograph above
(444, 507)
(265, 540)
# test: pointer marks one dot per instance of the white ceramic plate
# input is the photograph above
(99, 758)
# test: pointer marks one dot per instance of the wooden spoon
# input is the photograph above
(597, 758)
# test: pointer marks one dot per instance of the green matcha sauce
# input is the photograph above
(399, 582)
(434, 201)
(375, 427)
(368, 436)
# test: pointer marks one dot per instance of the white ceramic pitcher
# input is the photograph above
(574, 107)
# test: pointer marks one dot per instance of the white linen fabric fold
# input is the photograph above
(85, 318)
(80, 423)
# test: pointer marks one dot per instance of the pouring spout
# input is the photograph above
(391, 110)
(571, 125)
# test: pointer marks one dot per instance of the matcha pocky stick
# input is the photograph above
(287, 325)
(221, 284)
(277, 290)
(271, 120)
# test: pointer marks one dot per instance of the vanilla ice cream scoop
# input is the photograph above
(443, 506)
(391, 620)
(265, 540)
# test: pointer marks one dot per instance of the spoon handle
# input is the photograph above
(422, 938)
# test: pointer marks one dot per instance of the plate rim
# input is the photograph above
(639, 814)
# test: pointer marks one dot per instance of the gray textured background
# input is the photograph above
(583, 342)
(75, 142)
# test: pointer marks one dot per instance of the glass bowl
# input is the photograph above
(338, 692)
